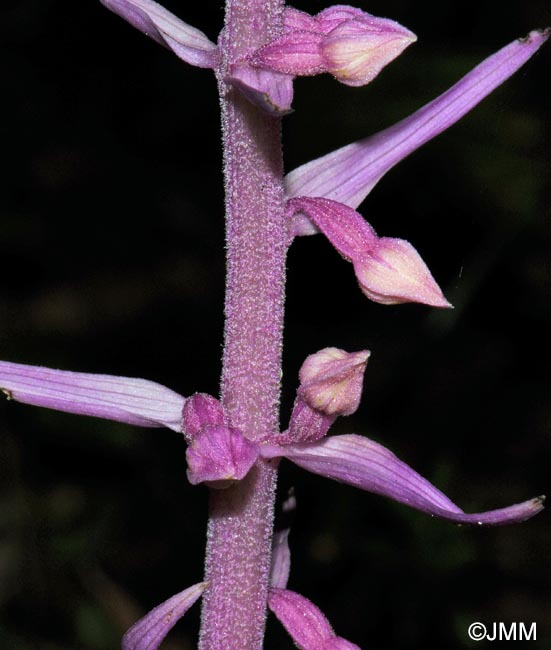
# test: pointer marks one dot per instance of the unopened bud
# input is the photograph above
(331, 380)
(393, 273)
(357, 50)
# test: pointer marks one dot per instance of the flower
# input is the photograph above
(389, 271)
(350, 44)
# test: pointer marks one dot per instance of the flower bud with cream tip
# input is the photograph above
(389, 271)
(330, 385)
(350, 44)
(331, 380)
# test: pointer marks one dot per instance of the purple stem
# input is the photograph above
(241, 518)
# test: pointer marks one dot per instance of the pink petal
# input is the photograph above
(124, 399)
(345, 228)
(199, 411)
(361, 462)
(149, 632)
(348, 174)
(306, 424)
(271, 91)
(304, 622)
(187, 42)
(296, 53)
(281, 559)
(219, 455)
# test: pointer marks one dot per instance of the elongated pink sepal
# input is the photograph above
(361, 462)
(348, 174)
(124, 399)
(149, 632)
(187, 42)
(304, 622)
(219, 455)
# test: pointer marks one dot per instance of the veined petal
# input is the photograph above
(149, 632)
(306, 424)
(271, 91)
(124, 399)
(361, 462)
(348, 174)
(187, 42)
(200, 410)
(281, 559)
(219, 455)
(345, 228)
(297, 53)
(304, 622)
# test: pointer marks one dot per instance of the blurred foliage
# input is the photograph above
(111, 256)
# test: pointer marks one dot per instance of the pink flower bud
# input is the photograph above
(331, 380)
(357, 50)
(219, 455)
(199, 411)
(389, 271)
(393, 273)
(350, 44)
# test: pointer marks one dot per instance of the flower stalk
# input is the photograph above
(240, 518)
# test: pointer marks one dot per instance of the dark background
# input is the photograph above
(111, 260)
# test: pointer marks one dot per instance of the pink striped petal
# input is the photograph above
(297, 53)
(219, 455)
(304, 622)
(149, 632)
(361, 462)
(199, 411)
(306, 424)
(187, 42)
(124, 399)
(281, 559)
(271, 91)
(348, 174)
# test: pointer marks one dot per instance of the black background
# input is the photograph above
(111, 260)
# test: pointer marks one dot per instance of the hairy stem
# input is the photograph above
(241, 517)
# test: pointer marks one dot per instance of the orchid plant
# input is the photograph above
(234, 441)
